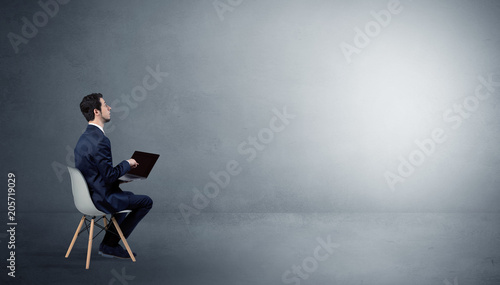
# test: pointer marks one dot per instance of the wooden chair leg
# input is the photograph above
(89, 250)
(75, 236)
(105, 222)
(123, 238)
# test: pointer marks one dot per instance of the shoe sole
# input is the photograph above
(112, 256)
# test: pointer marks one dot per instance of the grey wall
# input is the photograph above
(227, 72)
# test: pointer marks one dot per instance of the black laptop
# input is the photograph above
(146, 162)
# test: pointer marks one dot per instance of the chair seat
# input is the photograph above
(124, 211)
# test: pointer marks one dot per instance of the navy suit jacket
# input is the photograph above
(93, 159)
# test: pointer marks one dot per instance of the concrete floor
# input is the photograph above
(364, 248)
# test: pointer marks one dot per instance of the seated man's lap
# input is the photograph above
(139, 201)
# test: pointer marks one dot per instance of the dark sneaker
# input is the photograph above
(114, 251)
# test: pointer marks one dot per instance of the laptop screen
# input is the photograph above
(146, 162)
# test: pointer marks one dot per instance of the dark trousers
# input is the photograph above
(140, 206)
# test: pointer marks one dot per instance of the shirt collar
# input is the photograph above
(100, 128)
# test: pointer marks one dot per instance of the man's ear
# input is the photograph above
(96, 112)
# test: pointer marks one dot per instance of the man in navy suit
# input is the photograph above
(93, 159)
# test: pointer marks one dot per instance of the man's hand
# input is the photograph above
(133, 163)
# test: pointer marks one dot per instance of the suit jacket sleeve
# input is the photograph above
(105, 164)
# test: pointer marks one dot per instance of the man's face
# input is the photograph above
(105, 111)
